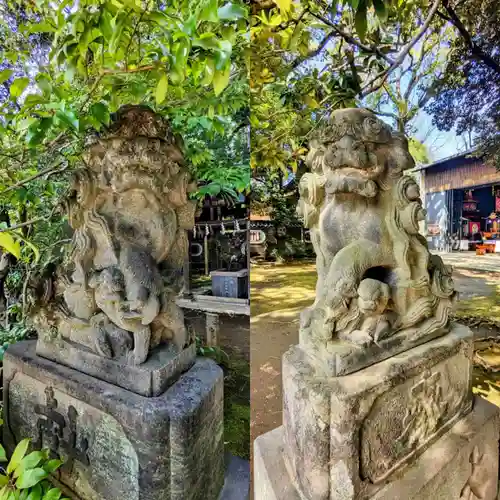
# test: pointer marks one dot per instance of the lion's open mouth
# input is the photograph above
(369, 173)
(352, 180)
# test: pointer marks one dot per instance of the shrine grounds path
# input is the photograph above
(280, 291)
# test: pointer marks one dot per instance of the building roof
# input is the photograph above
(468, 153)
(259, 217)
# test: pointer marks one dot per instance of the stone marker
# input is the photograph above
(377, 396)
(113, 385)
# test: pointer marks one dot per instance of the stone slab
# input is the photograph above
(368, 425)
(215, 305)
(442, 472)
(162, 368)
(237, 479)
(271, 480)
(117, 444)
(338, 357)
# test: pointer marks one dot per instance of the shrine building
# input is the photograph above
(462, 198)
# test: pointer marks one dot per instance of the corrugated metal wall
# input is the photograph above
(460, 173)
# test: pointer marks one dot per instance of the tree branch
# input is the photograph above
(416, 67)
(315, 52)
(284, 26)
(48, 171)
(124, 70)
(350, 39)
(23, 224)
(476, 50)
(370, 87)
(383, 113)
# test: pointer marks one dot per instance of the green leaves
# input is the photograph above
(10, 245)
(44, 83)
(30, 477)
(52, 465)
(221, 80)
(207, 41)
(18, 86)
(232, 12)
(210, 12)
(37, 131)
(5, 75)
(69, 118)
(36, 493)
(380, 9)
(161, 89)
(100, 113)
(19, 452)
(3, 455)
(284, 5)
(105, 25)
(43, 27)
(26, 475)
(29, 462)
(360, 20)
(177, 59)
(53, 494)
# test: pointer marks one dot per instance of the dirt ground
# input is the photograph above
(280, 292)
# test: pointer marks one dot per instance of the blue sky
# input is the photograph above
(441, 144)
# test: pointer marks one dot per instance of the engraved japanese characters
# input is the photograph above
(376, 276)
(129, 212)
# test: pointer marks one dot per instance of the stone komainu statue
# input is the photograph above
(376, 276)
(129, 212)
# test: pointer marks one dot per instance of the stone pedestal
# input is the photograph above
(117, 444)
(399, 429)
(151, 378)
(442, 472)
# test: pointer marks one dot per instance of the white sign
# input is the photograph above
(257, 237)
(196, 249)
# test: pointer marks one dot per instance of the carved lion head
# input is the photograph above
(358, 153)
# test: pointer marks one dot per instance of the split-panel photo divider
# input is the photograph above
(373, 248)
(124, 250)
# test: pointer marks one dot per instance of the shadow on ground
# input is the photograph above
(280, 291)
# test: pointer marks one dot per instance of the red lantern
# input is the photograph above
(474, 227)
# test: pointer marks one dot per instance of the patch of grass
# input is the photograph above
(11, 335)
(237, 406)
(236, 399)
(486, 384)
(484, 308)
(237, 428)
(282, 286)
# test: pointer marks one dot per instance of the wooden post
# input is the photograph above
(212, 329)
(186, 289)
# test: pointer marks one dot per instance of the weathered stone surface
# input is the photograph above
(237, 479)
(380, 376)
(162, 368)
(462, 464)
(339, 357)
(129, 209)
(367, 425)
(271, 478)
(376, 277)
(118, 444)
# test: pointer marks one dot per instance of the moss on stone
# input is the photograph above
(237, 406)
(236, 401)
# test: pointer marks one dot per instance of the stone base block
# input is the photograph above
(237, 481)
(344, 433)
(461, 465)
(117, 444)
(152, 378)
(338, 357)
